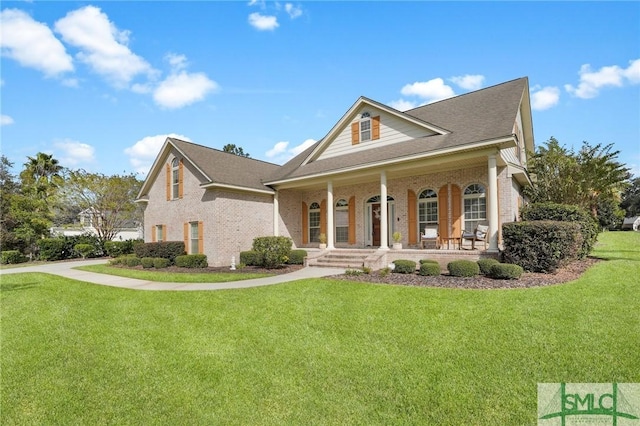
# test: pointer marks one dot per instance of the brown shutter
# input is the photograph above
(305, 223)
(180, 178)
(164, 233)
(456, 213)
(200, 237)
(168, 182)
(185, 237)
(412, 210)
(355, 133)
(153, 234)
(443, 216)
(352, 220)
(323, 217)
(375, 126)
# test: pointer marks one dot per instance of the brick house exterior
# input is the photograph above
(450, 165)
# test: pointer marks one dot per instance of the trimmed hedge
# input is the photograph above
(160, 263)
(273, 251)
(429, 269)
(541, 246)
(505, 271)
(85, 250)
(566, 213)
(147, 262)
(119, 248)
(12, 257)
(51, 249)
(463, 268)
(404, 266)
(131, 261)
(250, 258)
(296, 257)
(164, 249)
(192, 261)
(62, 248)
(486, 264)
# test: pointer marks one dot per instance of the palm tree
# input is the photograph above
(42, 173)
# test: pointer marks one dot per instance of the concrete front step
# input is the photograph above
(342, 259)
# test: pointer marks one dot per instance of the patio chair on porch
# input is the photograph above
(430, 238)
(479, 234)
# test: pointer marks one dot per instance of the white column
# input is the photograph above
(276, 215)
(384, 221)
(493, 204)
(330, 228)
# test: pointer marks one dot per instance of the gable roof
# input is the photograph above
(217, 168)
(481, 118)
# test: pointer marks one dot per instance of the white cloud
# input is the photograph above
(74, 153)
(403, 104)
(469, 82)
(592, 81)
(182, 89)
(32, 44)
(432, 90)
(544, 97)
(142, 153)
(102, 46)
(281, 153)
(178, 62)
(5, 120)
(293, 11)
(263, 22)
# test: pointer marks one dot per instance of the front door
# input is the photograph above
(375, 224)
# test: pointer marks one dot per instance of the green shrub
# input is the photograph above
(147, 262)
(131, 261)
(353, 272)
(429, 269)
(165, 249)
(273, 251)
(296, 257)
(85, 250)
(486, 264)
(70, 242)
(566, 213)
(384, 271)
(116, 261)
(52, 249)
(428, 261)
(463, 268)
(366, 270)
(250, 258)
(160, 263)
(119, 248)
(505, 271)
(11, 257)
(404, 266)
(192, 261)
(541, 246)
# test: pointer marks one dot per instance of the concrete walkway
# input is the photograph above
(65, 269)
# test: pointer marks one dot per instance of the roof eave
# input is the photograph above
(218, 185)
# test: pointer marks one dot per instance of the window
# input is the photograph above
(475, 206)
(194, 235)
(160, 233)
(342, 221)
(427, 209)
(314, 223)
(175, 178)
(365, 127)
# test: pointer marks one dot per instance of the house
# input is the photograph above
(631, 223)
(449, 165)
(130, 230)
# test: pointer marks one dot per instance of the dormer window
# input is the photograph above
(365, 127)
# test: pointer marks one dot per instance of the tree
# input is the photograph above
(41, 175)
(586, 179)
(631, 198)
(8, 188)
(237, 150)
(108, 200)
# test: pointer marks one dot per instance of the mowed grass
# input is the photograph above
(313, 351)
(172, 277)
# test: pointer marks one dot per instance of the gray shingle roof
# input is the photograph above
(483, 115)
(226, 168)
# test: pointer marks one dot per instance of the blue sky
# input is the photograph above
(101, 84)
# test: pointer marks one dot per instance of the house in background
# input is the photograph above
(631, 223)
(449, 165)
(131, 230)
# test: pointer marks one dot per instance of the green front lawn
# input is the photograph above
(313, 351)
(172, 277)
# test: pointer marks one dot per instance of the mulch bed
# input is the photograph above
(529, 279)
(225, 269)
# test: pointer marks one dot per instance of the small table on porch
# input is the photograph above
(454, 240)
